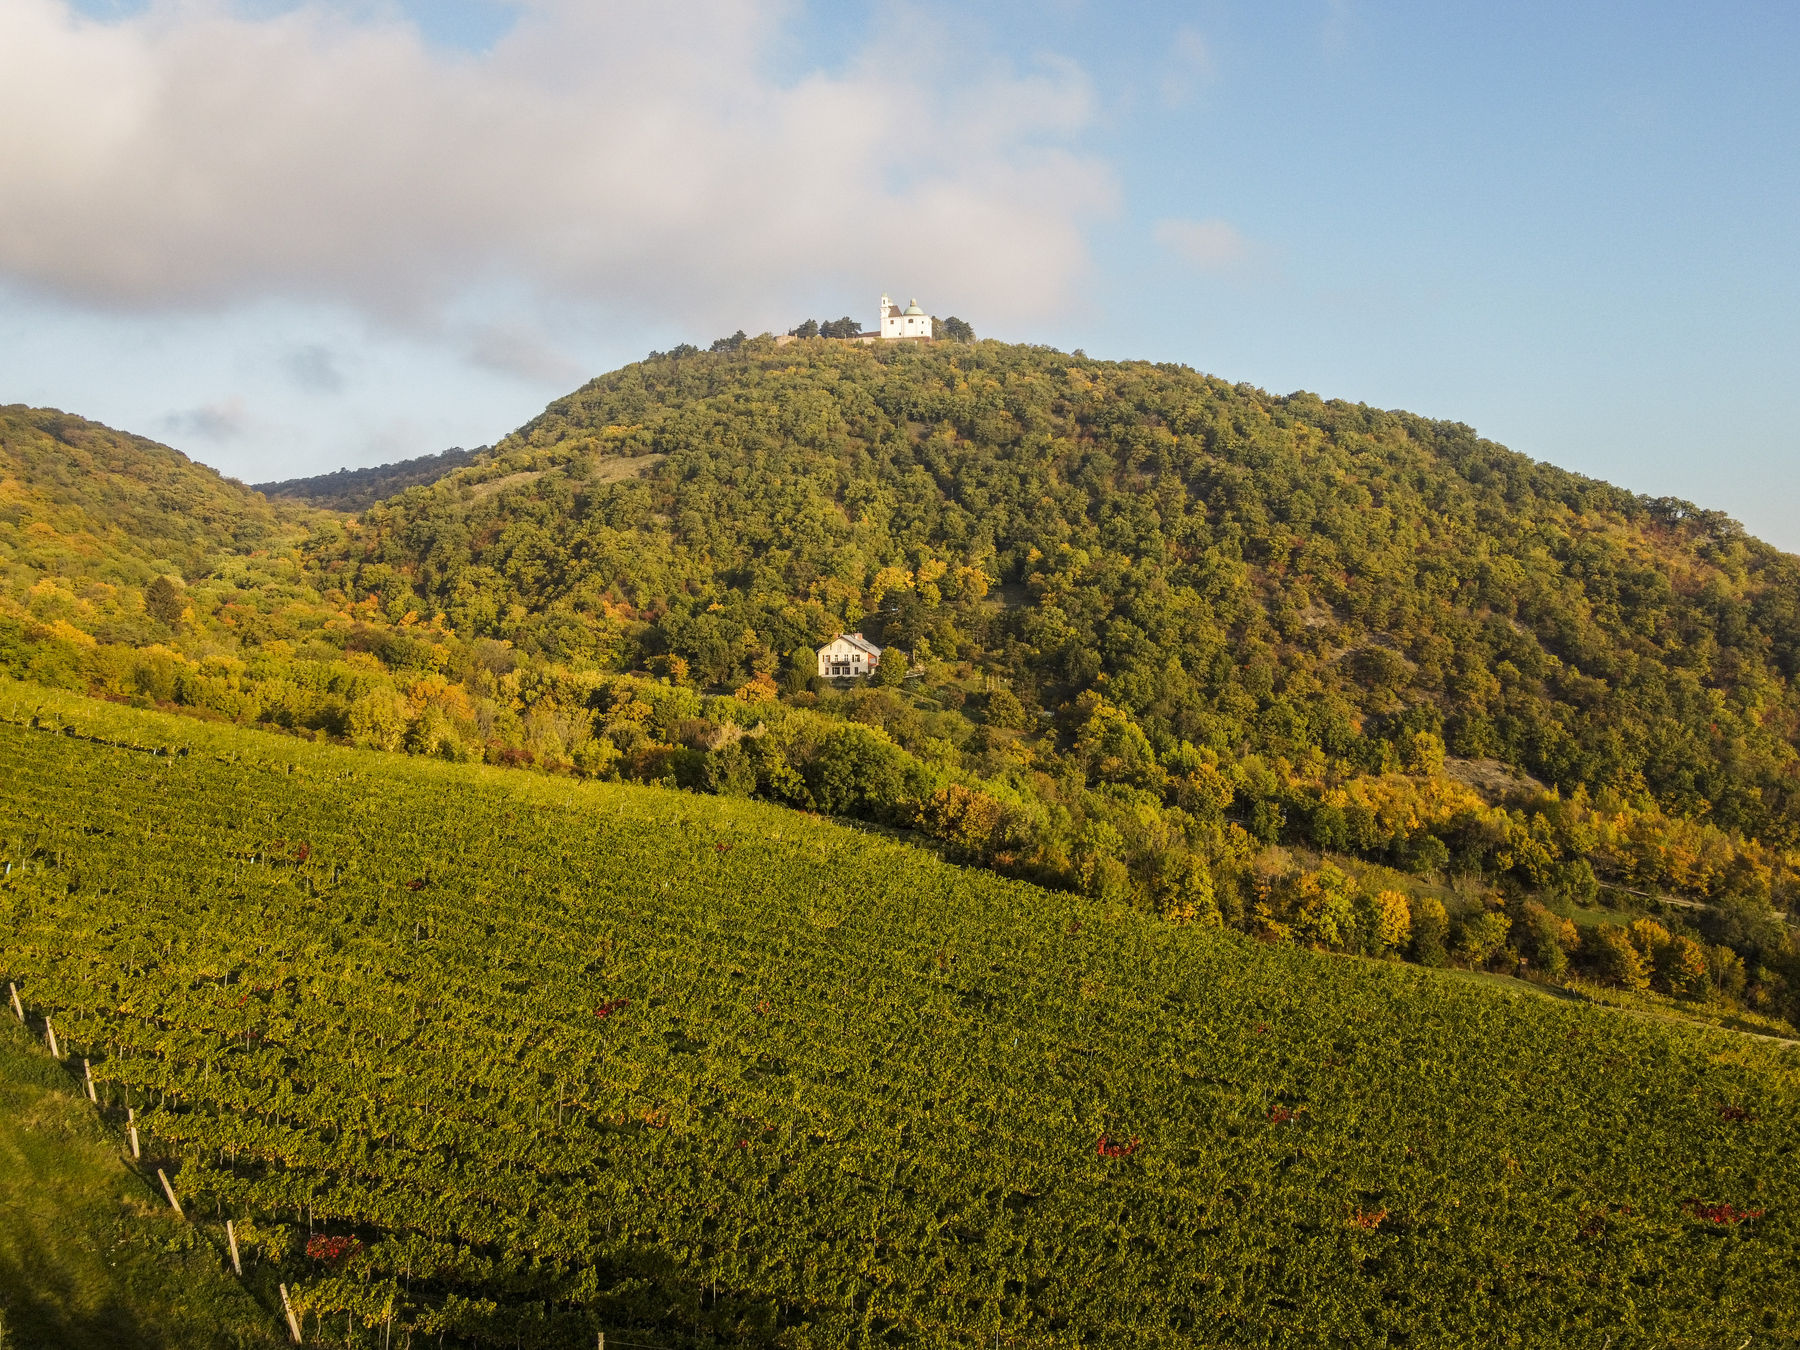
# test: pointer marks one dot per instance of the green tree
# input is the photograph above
(1430, 931)
(952, 329)
(891, 673)
(163, 601)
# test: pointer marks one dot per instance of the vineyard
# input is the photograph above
(470, 1057)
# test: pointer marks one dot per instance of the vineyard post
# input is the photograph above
(87, 1073)
(18, 1007)
(231, 1237)
(288, 1308)
(131, 1129)
(169, 1191)
(50, 1035)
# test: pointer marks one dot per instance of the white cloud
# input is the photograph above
(1211, 245)
(629, 155)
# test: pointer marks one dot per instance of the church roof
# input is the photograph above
(913, 308)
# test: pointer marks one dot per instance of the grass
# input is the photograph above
(89, 1258)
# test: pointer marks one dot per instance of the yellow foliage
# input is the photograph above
(759, 689)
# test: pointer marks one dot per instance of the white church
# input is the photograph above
(897, 323)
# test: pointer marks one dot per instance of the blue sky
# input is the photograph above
(359, 231)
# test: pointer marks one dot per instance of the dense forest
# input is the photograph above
(358, 489)
(1330, 674)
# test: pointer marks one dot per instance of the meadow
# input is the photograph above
(487, 1058)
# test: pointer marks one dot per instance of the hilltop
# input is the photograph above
(1231, 658)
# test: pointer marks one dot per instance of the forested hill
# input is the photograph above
(80, 499)
(1335, 676)
(1234, 570)
(356, 489)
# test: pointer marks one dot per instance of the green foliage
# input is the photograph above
(1165, 620)
(358, 489)
(1430, 931)
(562, 1057)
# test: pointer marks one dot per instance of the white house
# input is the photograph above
(911, 322)
(848, 654)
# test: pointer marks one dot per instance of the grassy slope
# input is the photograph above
(89, 1258)
(923, 1068)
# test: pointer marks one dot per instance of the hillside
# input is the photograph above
(90, 1257)
(79, 500)
(512, 1060)
(357, 489)
(1230, 658)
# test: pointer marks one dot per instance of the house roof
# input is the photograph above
(858, 641)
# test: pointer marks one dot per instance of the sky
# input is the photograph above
(289, 237)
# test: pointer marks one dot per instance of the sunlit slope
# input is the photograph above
(78, 499)
(1239, 569)
(561, 1057)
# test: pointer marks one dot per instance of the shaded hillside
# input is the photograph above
(357, 489)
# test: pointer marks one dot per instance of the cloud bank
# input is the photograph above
(632, 156)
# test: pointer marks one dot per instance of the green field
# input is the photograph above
(563, 1057)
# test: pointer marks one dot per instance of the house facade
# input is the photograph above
(848, 655)
(896, 323)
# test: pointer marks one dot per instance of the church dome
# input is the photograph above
(913, 308)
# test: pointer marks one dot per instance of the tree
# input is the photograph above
(1004, 710)
(1617, 961)
(891, 673)
(1682, 968)
(952, 329)
(1430, 928)
(845, 327)
(163, 601)
(1546, 939)
(1480, 936)
(809, 329)
(730, 344)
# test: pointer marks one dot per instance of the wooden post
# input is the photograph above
(50, 1035)
(18, 1007)
(231, 1237)
(131, 1129)
(169, 1191)
(87, 1073)
(292, 1321)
